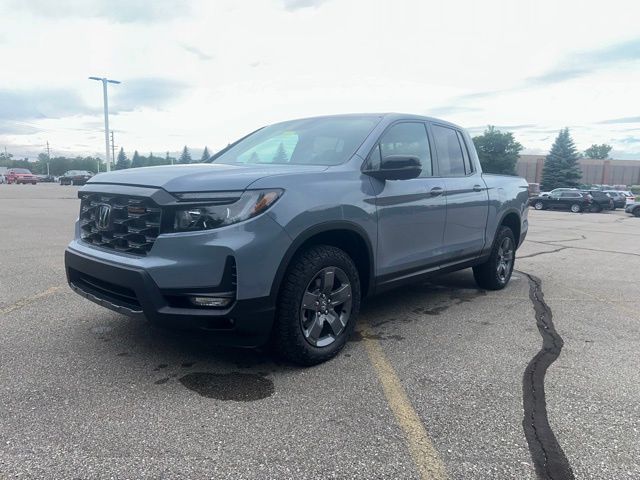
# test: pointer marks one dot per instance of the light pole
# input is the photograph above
(106, 117)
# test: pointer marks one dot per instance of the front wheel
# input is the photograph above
(538, 206)
(317, 306)
(576, 208)
(495, 273)
(636, 212)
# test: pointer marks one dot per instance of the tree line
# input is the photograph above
(499, 152)
(123, 162)
(58, 165)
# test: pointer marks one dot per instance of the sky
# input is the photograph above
(206, 72)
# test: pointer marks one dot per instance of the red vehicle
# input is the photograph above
(20, 175)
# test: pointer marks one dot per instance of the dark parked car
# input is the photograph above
(633, 208)
(557, 190)
(46, 178)
(565, 200)
(599, 200)
(75, 177)
(619, 198)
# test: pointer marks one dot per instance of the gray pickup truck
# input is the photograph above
(279, 238)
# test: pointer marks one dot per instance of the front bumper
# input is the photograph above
(132, 291)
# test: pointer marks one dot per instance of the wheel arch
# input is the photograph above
(511, 219)
(347, 236)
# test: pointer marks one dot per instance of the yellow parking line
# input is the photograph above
(27, 300)
(420, 445)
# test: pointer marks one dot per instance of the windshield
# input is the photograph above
(21, 170)
(315, 141)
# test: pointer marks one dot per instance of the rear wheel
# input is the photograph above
(496, 272)
(317, 306)
(576, 208)
(636, 212)
(538, 206)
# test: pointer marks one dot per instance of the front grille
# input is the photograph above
(119, 222)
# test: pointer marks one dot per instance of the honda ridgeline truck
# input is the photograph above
(283, 233)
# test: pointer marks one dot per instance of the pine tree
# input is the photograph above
(561, 167)
(281, 155)
(136, 161)
(185, 156)
(153, 161)
(205, 155)
(123, 162)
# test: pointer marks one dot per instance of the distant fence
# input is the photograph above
(601, 172)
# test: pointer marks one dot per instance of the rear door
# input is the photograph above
(556, 201)
(411, 213)
(466, 195)
(570, 198)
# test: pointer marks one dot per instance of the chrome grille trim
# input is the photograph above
(133, 226)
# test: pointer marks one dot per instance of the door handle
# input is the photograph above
(435, 191)
(477, 188)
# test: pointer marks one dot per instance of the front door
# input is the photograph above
(411, 213)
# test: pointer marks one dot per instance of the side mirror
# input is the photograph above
(397, 167)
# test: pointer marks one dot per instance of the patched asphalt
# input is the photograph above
(87, 393)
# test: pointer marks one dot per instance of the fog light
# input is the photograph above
(215, 302)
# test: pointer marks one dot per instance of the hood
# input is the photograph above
(199, 177)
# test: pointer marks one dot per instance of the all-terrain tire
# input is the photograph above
(487, 274)
(288, 338)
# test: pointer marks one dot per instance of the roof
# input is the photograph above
(389, 116)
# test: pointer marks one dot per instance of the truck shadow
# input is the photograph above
(192, 359)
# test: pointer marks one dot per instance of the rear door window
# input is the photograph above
(450, 157)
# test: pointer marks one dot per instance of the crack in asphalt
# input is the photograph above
(543, 253)
(548, 457)
(552, 243)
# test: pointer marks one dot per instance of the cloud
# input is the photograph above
(122, 11)
(197, 52)
(628, 140)
(17, 128)
(579, 64)
(574, 65)
(450, 110)
(507, 128)
(139, 93)
(622, 120)
(293, 5)
(40, 103)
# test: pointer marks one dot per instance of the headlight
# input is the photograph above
(229, 208)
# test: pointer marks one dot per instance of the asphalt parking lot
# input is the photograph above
(441, 380)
